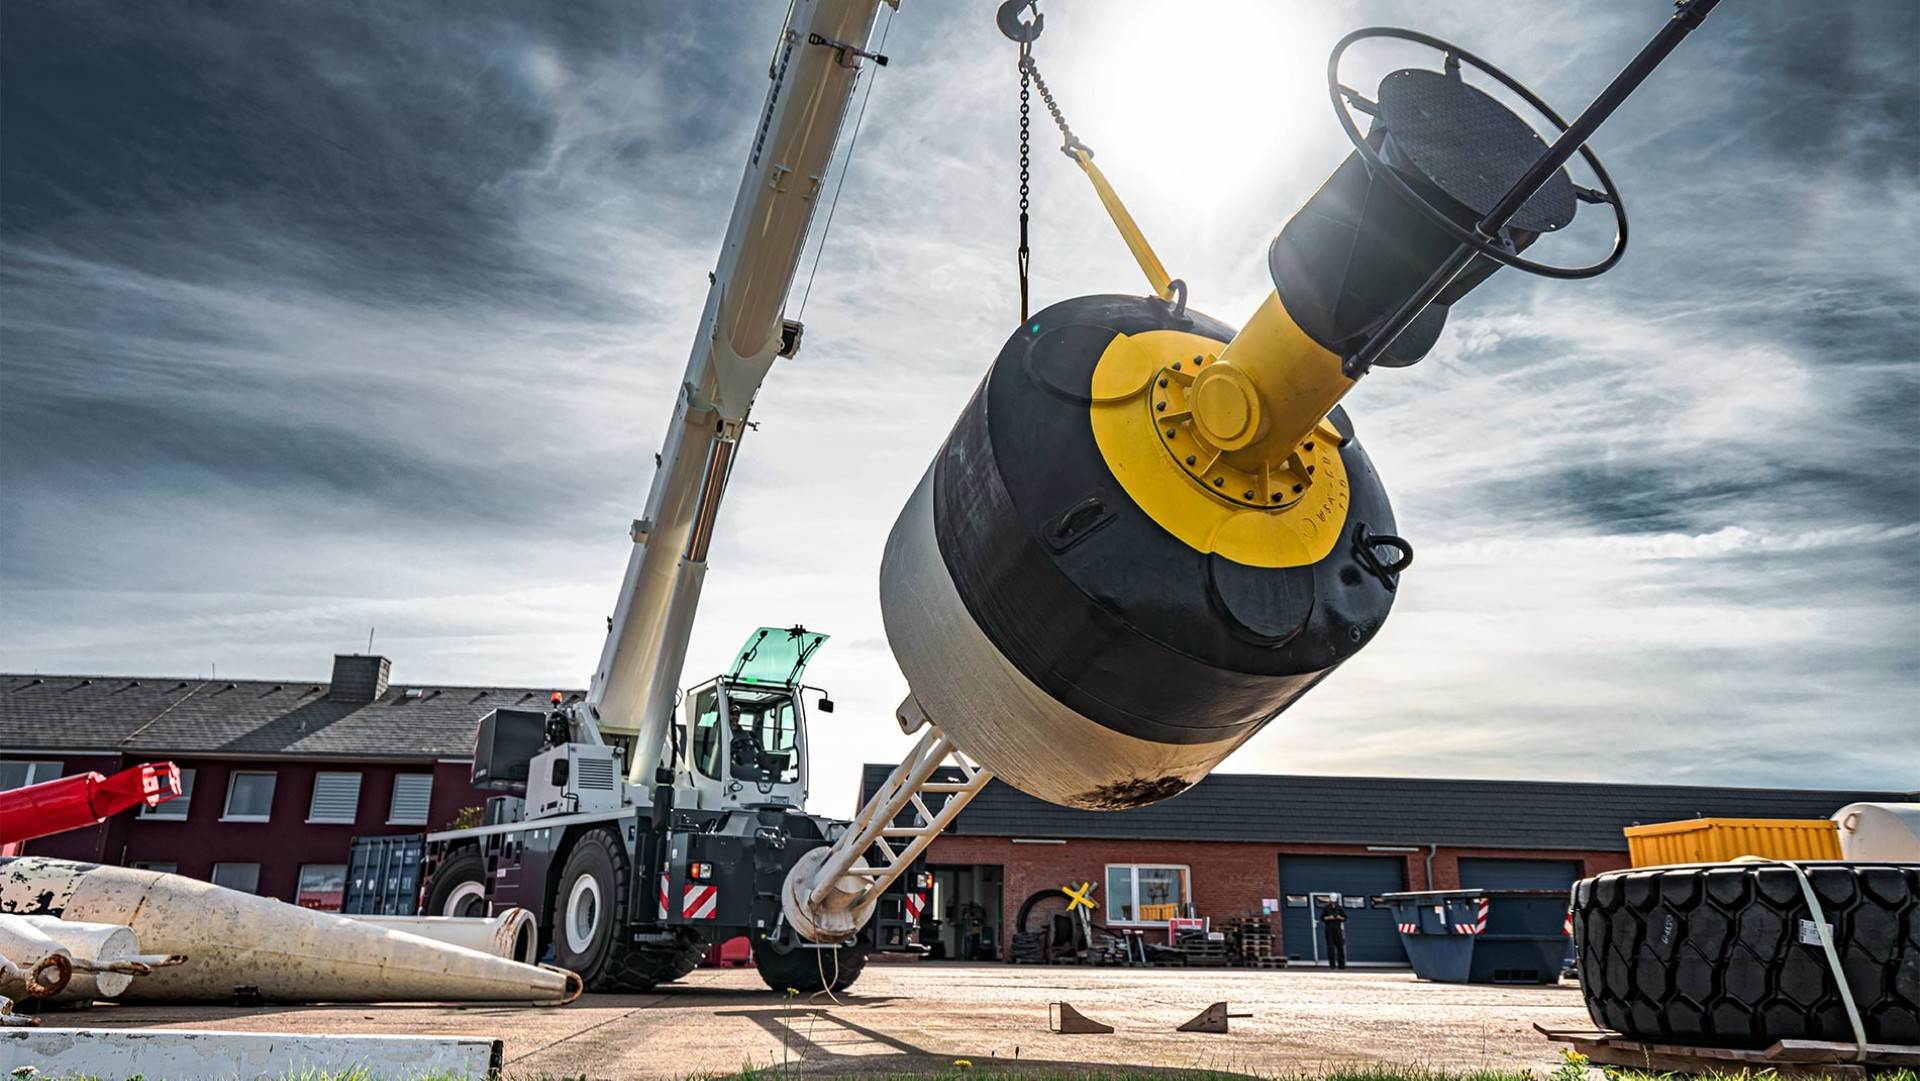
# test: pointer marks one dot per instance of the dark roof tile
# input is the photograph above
(241, 717)
(1393, 810)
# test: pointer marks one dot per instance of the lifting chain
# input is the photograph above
(1170, 290)
(1025, 254)
(1031, 79)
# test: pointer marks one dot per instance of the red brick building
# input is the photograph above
(280, 775)
(1236, 842)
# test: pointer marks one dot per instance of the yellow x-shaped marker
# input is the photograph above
(1076, 898)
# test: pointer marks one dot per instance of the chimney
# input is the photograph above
(358, 678)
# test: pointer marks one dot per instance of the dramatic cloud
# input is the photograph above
(321, 318)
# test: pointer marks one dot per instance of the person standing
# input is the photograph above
(1334, 918)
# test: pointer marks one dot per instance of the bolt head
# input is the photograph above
(1218, 481)
(1163, 382)
(1160, 405)
(1296, 489)
(1190, 459)
(1247, 495)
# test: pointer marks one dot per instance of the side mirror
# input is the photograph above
(826, 704)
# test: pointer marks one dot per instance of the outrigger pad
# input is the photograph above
(1072, 1022)
(1212, 1019)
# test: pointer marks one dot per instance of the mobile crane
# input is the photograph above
(636, 838)
(1147, 535)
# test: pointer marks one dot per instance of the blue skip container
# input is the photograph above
(1483, 936)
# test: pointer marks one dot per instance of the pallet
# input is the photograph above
(1786, 1058)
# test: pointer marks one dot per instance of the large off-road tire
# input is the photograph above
(1713, 954)
(458, 886)
(808, 969)
(593, 930)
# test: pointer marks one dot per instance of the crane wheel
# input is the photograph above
(1728, 955)
(458, 886)
(809, 969)
(592, 922)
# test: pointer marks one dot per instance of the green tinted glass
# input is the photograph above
(775, 655)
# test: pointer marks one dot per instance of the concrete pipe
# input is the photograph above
(512, 934)
(106, 957)
(31, 964)
(283, 952)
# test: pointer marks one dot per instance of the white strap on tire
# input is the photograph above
(1826, 946)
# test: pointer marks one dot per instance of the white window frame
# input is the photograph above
(233, 780)
(176, 809)
(1133, 903)
(314, 819)
(393, 801)
(214, 871)
(39, 770)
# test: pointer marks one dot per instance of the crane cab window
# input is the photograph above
(763, 737)
(709, 743)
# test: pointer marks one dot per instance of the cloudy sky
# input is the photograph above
(321, 317)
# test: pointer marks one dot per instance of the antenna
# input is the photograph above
(370, 631)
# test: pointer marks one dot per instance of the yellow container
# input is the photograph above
(1717, 840)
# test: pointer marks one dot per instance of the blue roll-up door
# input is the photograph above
(1483, 874)
(1488, 874)
(1372, 937)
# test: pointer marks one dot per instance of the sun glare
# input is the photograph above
(1196, 116)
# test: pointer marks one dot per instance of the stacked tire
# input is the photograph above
(1727, 954)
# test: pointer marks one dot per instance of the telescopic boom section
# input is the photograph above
(819, 53)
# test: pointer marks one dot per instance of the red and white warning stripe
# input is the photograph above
(1409, 928)
(1479, 924)
(916, 904)
(697, 902)
(1568, 927)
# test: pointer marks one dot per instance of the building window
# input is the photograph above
(163, 868)
(336, 798)
(17, 774)
(249, 797)
(175, 808)
(244, 877)
(322, 886)
(412, 794)
(1146, 893)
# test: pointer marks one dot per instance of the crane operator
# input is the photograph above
(745, 752)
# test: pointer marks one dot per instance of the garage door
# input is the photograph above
(1371, 934)
(1518, 874)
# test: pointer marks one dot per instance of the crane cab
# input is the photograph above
(743, 740)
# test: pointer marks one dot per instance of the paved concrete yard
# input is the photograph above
(924, 1016)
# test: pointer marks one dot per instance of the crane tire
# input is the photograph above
(592, 923)
(458, 886)
(1718, 954)
(809, 969)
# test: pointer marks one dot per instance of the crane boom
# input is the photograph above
(814, 68)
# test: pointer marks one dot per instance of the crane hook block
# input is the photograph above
(1010, 24)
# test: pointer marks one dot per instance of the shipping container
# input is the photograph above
(383, 876)
(1717, 840)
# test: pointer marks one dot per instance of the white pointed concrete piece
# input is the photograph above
(236, 940)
